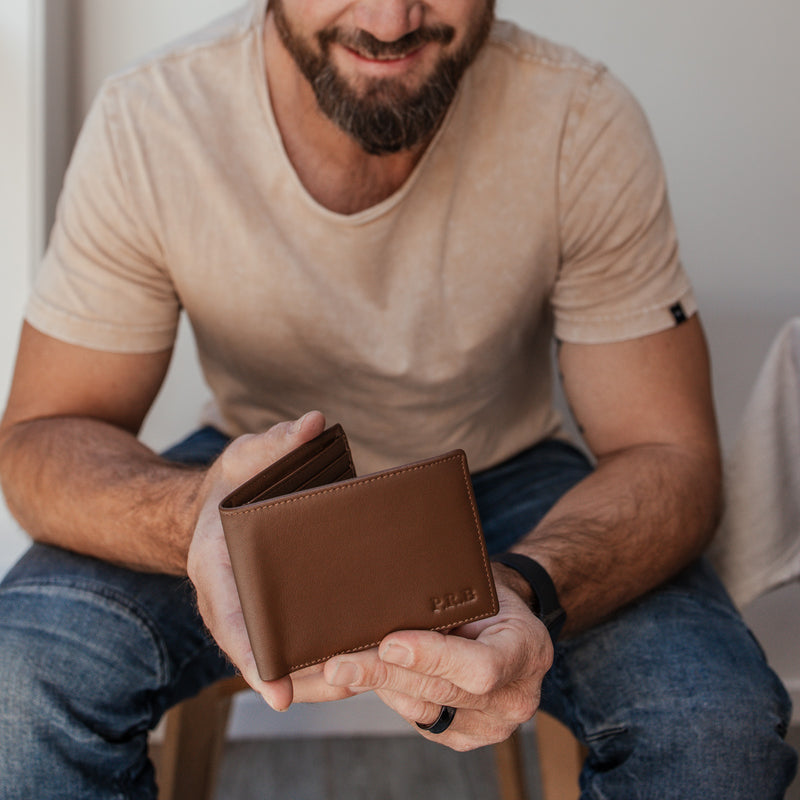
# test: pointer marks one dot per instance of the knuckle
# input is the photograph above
(443, 692)
(521, 712)
(520, 705)
(440, 661)
(485, 681)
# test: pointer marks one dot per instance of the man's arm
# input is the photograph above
(75, 476)
(649, 508)
(72, 470)
(645, 410)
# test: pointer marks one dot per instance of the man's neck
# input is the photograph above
(335, 170)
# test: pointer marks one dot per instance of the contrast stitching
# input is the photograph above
(376, 643)
(358, 482)
(361, 482)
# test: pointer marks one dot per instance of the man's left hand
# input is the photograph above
(490, 671)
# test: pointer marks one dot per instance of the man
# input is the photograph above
(383, 209)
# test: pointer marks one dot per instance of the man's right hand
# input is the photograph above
(209, 566)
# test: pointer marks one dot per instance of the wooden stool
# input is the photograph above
(194, 738)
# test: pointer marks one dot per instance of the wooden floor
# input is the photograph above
(375, 768)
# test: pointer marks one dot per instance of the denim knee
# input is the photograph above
(695, 743)
(76, 665)
(674, 699)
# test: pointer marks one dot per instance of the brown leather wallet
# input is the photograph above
(327, 563)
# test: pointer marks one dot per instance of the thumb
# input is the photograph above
(284, 437)
(311, 424)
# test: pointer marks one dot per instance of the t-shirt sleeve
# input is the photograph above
(620, 275)
(103, 283)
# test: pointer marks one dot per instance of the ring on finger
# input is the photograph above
(441, 723)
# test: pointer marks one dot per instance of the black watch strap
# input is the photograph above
(543, 593)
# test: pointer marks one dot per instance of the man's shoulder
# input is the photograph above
(201, 51)
(513, 44)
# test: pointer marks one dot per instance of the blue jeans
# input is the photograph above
(672, 696)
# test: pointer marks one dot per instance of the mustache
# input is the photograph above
(366, 44)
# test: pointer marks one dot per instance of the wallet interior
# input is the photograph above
(321, 461)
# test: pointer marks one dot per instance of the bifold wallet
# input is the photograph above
(327, 563)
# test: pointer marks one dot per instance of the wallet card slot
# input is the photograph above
(296, 469)
(339, 470)
(310, 475)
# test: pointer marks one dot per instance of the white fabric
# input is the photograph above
(758, 545)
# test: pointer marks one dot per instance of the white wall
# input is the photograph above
(114, 34)
(19, 102)
(716, 77)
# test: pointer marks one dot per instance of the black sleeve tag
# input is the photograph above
(678, 313)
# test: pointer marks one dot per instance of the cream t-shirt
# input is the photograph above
(421, 324)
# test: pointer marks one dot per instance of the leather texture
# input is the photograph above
(327, 563)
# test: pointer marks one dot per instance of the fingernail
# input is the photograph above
(272, 704)
(396, 654)
(345, 673)
(298, 423)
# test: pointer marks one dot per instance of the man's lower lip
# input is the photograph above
(385, 61)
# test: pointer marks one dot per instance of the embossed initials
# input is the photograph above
(453, 600)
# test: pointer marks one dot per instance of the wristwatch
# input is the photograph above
(544, 598)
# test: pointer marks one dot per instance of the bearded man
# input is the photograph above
(386, 210)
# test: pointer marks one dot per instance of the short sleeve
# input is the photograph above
(102, 283)
(620, 275)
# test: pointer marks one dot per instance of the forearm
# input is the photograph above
(642, 515)
(91, 487)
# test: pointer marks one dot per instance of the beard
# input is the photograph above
(385, 116)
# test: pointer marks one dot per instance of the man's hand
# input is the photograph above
(209, 566)
(491, 671)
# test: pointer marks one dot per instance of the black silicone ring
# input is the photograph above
(441, 723)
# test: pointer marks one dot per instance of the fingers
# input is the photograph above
(219, 606)
(469, 729)
(363, 671)
(416, 695)
(208, 564)
(309, 686)
(249, 454)
(493, 678)
(505, 650)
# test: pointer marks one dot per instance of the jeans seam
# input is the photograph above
(605, 733)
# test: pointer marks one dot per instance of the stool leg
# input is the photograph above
(193, 741)
(510, 768)
(561, 758)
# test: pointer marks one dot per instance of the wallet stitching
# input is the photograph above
(337, 488)
(481, 546)
(365, 480)
(358, 649)
(244, 493)
(383, 476)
